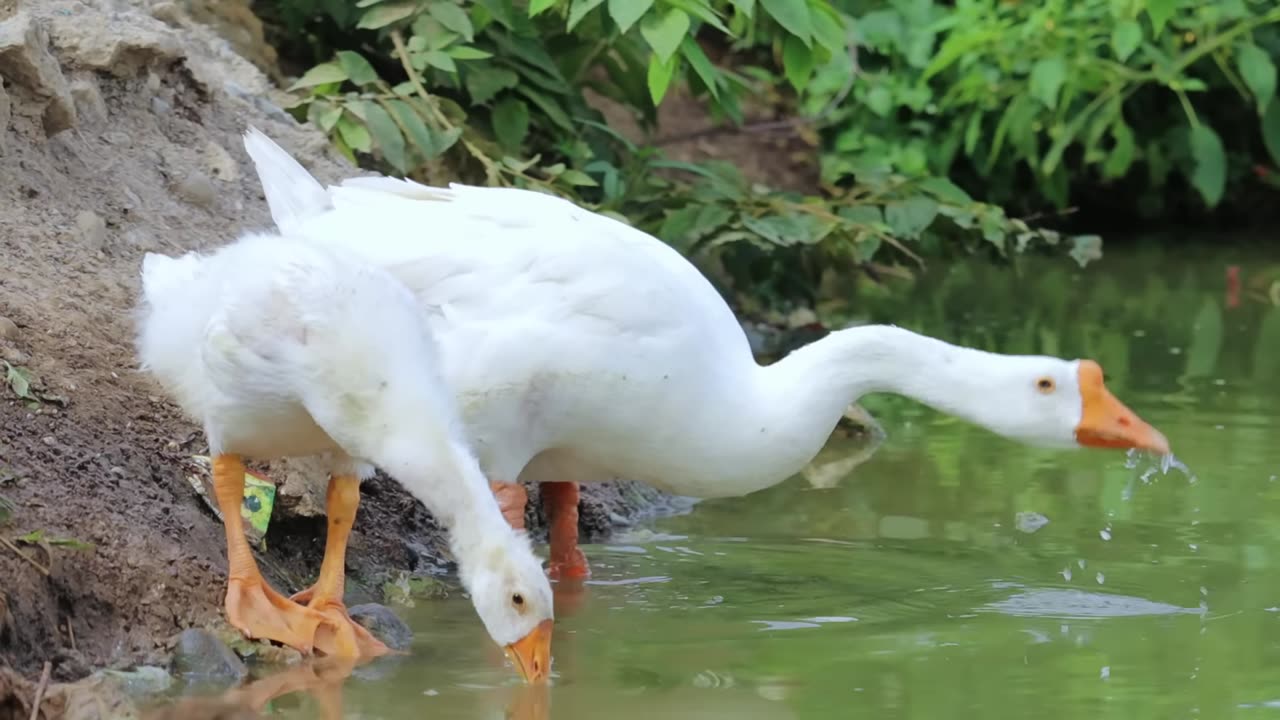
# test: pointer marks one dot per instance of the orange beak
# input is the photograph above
(531, 654)
(1106, 422)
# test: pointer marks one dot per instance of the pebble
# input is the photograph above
(201, 657)
(383, 624)
(197, 189)
(49, 440)
(91, 230)
(8, 329)
(160, 106)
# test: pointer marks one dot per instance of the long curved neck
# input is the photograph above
(799, 399)
(444, 475)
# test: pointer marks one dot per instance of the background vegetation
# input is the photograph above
(1140, 108)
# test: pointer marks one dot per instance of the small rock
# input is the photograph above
(49, 440)
(201, 657)
(91, 230)
(159, 106)
(1029, 522)
(14, 356)
(143, 681)
(167, 13)
(8, 329)
(197, 189)
(5, 112)
(90, 106)
(383, 624)
(801, 317)
(220, 163)
(25, 57)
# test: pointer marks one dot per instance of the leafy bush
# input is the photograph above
(492, 92)
(1058, 95)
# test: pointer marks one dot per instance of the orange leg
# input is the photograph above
(253, 606)
(567, 560)
(512, 499)
(343, 637)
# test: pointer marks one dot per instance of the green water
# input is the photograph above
(907, 588)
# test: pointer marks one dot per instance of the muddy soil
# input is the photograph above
(120, 126)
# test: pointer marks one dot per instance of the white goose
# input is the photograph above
(580, 349)
(262, 342)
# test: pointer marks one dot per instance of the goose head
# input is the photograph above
(1058, 403)
(512, 596)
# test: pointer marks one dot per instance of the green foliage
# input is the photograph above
(493, 92)
(1058, 95)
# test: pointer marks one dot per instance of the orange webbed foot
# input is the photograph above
(257, 610)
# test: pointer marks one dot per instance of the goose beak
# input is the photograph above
(531, 654)
(1105, 421)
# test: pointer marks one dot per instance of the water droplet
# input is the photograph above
(1066, 573)
(1101, 578)
(1080, 563)
(1105, 673)
(1105, 533)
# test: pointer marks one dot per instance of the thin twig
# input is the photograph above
(44, 683)
(43, 570)
(71, 633)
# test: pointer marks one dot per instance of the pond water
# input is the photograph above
(921, 580)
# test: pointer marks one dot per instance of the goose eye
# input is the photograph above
(518, 599)
(1045, 385)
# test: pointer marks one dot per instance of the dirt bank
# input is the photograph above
(119, 134)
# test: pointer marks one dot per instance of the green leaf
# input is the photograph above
(701, 10)
(880, 100)
(383, 15)
(418, 132)
(358, 70)
(701, 64)
(910, 217)
(1271, 130)
(664, 32)
(1210, 173)
(1119, 161)
(324, 115)
(627, 12)
(946, 191)
(659, 77)
(1259, 74)
(746, 7)
(793, 15)
(536, 7)
(577, 177)
(1086, 249)
(511, 122)
(440, 59)
(19, 382)
(453, 17)
(831, 32)
(1047, 76)
(355, 135)
(1125, 38)
(466, 52)
(322, 74)
(485, 82)
(797, 62)
(1160, 11)
(579, 9)
(386, 134)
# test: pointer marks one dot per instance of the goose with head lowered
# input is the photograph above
(282, 347)
(582, 349)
